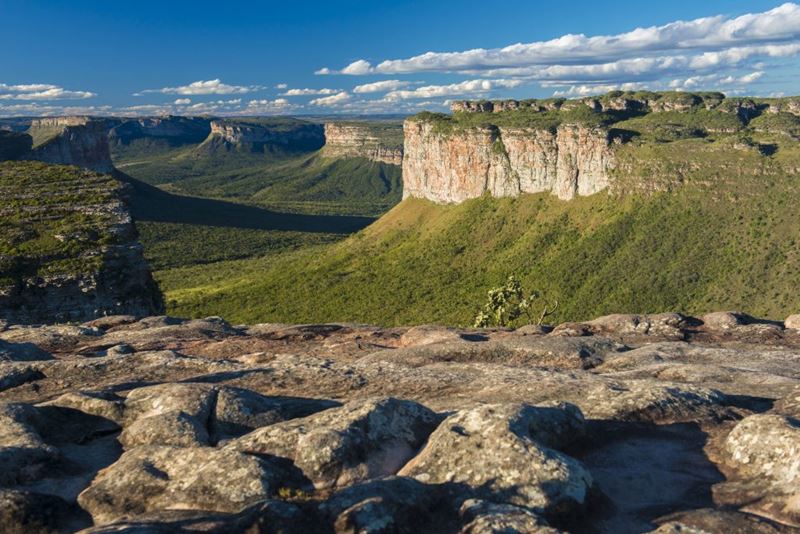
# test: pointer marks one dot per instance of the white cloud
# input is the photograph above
(208, 87)
(40, 91)
(332, 100)
(309, 92)
(358, 68)
(775, 26)
(468, 87)
(323, 71)
(382, 86)
(281, 86)
(183, 101)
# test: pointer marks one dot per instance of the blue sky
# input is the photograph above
(246, 58)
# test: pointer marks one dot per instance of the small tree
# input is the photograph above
(506, 304)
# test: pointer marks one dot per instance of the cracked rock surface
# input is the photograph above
(628, 423)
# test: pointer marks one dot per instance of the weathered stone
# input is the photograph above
(102, 405)
(24, 455)
(484, 517)
(394, 504)
(504, 453)
(22, 352)
(361, 440)
(667, 326)
(23, 512)
(766, 446)
(353, 140)
(193, 478)
(792, 322)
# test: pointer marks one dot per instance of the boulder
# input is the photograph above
(792, 322)
(151, 478)
(361, 440)
(766, 446)
(664, 326)
(506, 454)
(394, 504)
(725, 320)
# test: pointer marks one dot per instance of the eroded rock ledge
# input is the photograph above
(628, 423)
(374, 141)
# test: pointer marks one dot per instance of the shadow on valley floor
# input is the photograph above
(148, 203)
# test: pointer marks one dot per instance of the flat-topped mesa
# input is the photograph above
(640, 101)
(173, 128)
(570, 160)
(79, 141)
(291, 134)
(583, 146)
(376, 142)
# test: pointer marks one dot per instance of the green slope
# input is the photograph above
(726, 235)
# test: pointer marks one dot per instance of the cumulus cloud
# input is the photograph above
(468, 87)
(381, 87)
(332, 100)
(183, 101)
(281, 86)
(207, 87)
(40, 91)
(310, 92)
(721, 46)
(775, 26)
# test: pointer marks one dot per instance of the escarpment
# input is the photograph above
(68, 248)
(621, 142)
(376, 142)
(172, 129)
(264, 134)
(79, 141)
(572, 160)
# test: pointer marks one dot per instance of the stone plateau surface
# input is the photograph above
(626, 423)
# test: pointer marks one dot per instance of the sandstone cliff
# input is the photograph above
(573, 147)
(68, 248)
(502, 161)
(79, 141)
(260, 134)
(376, 142)
(173, 129)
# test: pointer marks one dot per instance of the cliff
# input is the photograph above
(172, 129)
(14, 145)
(572, 160)
(79, 141)
(68, 248)
(374, 141)
(265, 134)
(573, 147)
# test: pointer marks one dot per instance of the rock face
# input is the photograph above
(453, 167)
(260, 134)
(79, 141)
(572, 147)
(68, 249)
(175, 130)
(628, 423)
(373, 142)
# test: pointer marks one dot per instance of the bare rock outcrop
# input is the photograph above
(258, 134)
(628, 423)
(79, 141)
(374, 142)
(456, 166)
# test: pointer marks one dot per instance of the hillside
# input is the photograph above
(696, 216)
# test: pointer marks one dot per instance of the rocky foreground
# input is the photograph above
(623, 424)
